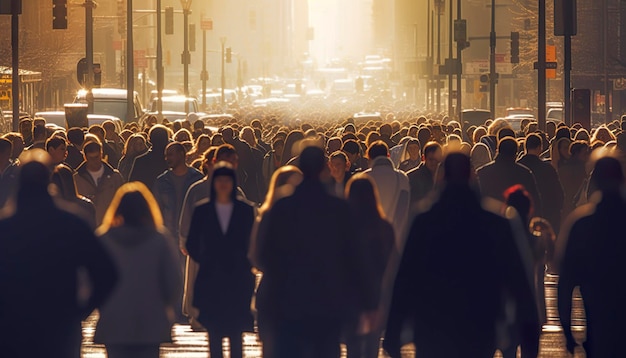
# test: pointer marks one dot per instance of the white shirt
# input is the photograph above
(97, 174)
(224, 212)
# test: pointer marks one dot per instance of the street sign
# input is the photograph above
(206, 24)
(551, 58)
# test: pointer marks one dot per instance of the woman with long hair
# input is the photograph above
(363, 334)
(282, 184)
(203, 143)
(139, 315)
(135, 146)
(218, 240)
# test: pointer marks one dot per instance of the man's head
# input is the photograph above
(312, 162)
(352, 150)
(507, 148)
(338, 165)
(76, 137)
(334, 144)
(533, 144)
(39, 133)
(18, 143)
(175, 155)
(57, 148)
(26, 127)
(98, 131)
(159, 136)
(432, 155)
(93, 155)
(457, 168)
(608, 175)
(377, 149)
(579, 149)
(226, 152)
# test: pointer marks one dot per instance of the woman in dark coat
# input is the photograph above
(218, 241)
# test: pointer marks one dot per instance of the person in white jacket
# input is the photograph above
(139, 315)
(393, 188)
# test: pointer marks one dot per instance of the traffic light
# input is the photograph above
(121, 18)
(484, 83)
(514, 47)
(192, 37)
(59, 14)
(229, 55)
(169, 20)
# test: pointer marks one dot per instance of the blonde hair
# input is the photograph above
(275, 190)
(133, 204)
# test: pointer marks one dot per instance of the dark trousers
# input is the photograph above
(215, 343)
(306, 338)
(133, 351)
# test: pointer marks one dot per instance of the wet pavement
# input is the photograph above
(189, 344)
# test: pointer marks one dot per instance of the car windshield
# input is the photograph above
(113, 108)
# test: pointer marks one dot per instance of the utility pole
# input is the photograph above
(541, 67)
(206, 24)
(439, 6)
(460, 45)
(223, 41)
(130, 66)
(605, 58)
(450, 61)
(89, 6)
(493, 76)
(159, 62)
(429, 54)
(186, 56)
(15, 62)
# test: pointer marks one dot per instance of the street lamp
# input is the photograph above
(186, 57)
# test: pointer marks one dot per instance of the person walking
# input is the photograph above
(312, 264)
(42, 250)
(140, 313)
(218, 240)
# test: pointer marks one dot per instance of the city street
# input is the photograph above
(189, 344)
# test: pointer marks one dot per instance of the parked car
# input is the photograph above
(57, 118)
(112, 102)
(474, 117)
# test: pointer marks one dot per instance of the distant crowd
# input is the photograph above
(311, 231)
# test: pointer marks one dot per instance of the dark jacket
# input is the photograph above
(148, 166)
(42, 250)
(458, 262)
(549, 187)
(225, 283)
(311, 259)
(165, 195)
(502, 173)
(594, 260)
(8, 183)
(422, 181)
(572, 175)
(74, 156)
(100, 194)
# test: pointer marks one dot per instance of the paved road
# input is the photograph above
(189, 344)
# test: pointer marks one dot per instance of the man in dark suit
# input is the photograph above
(148, 166)
(503, 172)
(458, 262)
(313, 271)
(39, 269)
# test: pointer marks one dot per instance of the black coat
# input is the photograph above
(42, 249)
(225, 283)
(499, 175)
(458, 261)
(312, 261)
(549, 188)
(148, 166)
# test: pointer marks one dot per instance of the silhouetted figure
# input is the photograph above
(594, 260)
(63, 178)
(376, 235)
(39, 270)
(134, 147)
(218, 240)
(148, 166)
(547, 178)
(8, 172)
(459, 262)
(422, 178)
(139, 315)
(503, 172)
(313, 267)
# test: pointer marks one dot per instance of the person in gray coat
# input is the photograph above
(139, 315)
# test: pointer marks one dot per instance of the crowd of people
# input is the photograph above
(312, 231)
